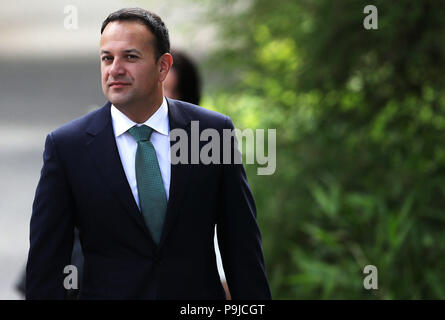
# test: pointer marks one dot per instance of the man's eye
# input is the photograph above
(106, 58)
(130, 56)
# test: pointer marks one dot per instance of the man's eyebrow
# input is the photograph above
(132, 51)
(126, 51)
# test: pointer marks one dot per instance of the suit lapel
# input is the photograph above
(180, 173)
(101, 144)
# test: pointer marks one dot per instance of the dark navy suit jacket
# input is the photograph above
(83, 184)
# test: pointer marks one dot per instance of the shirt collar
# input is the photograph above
(158, 121)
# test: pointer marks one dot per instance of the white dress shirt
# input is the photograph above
(127, 145)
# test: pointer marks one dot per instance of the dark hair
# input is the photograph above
(188, 86)
(150, 19)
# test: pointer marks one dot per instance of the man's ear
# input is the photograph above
(165, 62)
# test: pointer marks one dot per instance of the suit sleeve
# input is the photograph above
(51, 230)
(239, 237)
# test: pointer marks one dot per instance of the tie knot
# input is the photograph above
(141, 133)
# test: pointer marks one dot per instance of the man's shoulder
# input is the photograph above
(79, 126)
(206, 117)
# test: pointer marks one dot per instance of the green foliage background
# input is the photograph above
(360, 120)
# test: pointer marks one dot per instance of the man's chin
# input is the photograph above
(118, 100)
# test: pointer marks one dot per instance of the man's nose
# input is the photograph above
(117, 68)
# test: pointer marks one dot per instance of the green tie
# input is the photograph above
(152, 198)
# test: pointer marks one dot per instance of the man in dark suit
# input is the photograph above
(146, 223)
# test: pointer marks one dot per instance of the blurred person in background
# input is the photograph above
(184, 83)
(145, 225)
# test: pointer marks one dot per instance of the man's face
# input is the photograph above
(130, 74)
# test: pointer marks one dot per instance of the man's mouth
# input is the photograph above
(118, 84)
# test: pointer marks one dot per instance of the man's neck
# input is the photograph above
(140, 113)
